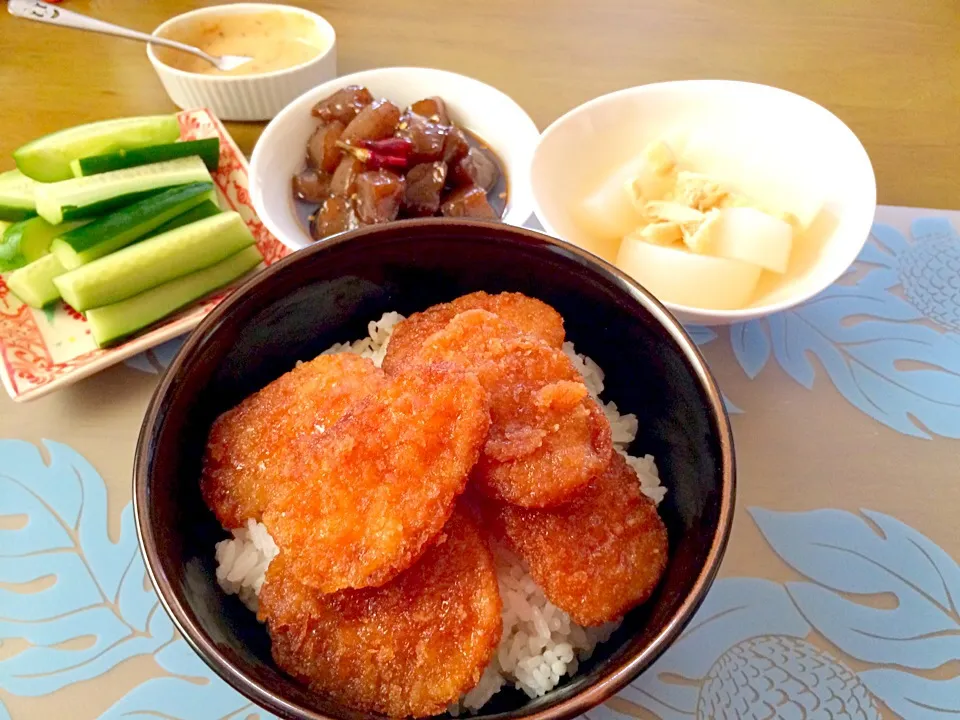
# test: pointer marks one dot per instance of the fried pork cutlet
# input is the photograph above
(360, 503)
(408, 648)
(548, 438)
(596, 557)
(247, 444)
(526, 314)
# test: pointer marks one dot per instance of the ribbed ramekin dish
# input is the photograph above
(244, 97)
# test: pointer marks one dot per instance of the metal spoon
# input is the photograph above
(46, 13)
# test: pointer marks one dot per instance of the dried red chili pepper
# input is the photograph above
(375, 160)
(393, 146)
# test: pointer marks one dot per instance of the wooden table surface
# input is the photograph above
(889, 69)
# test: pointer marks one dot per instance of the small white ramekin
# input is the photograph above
(245, 97)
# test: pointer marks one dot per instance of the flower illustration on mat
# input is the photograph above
(760, 649)
(929, 269)
(81, 601)
(787, 677)
(884, 335)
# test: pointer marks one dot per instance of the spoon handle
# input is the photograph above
(53, 15)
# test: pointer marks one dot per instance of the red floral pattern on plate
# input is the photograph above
(30, 367)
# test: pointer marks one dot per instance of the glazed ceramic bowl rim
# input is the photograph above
(613, 679)
(517, 167)
(864, 222)
(322, 24)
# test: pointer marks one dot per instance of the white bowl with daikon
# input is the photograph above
(727, 200)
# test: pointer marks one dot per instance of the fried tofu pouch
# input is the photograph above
(548, 438)
(248, 444)
(356, 505)
(596, 557)
(408, 648)
(526, 314)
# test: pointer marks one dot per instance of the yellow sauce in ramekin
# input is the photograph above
(275, 40)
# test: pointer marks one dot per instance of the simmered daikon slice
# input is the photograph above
(676, 275)
(610, 210)
(748, 235)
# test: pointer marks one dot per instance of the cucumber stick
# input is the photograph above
(29, 240)
(112, 322)
(94, 195)
(152, 262)
(33, 283)
(16, 196)
(121, 227)
(208, 208)
(47, 159)
(207, 150)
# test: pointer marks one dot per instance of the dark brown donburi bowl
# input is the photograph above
(328, 293)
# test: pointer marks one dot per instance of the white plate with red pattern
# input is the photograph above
(45, 350)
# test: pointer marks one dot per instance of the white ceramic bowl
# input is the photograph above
(483, 110)
(244, 97)
(784, 138)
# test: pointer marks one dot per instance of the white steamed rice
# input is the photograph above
(540, 643)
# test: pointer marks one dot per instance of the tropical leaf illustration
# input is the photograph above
(736, 609)
(868, 340)
(751, 346)
(863, 358)
(913, 697)
(700, 334)
(87, 591)
(142, 363)
(156, 359)
(731, 408)
(869, 555)
(191, 691)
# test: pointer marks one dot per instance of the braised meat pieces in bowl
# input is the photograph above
(369, 162)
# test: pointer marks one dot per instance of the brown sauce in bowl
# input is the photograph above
(498, 195)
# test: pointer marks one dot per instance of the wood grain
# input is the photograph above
(889, 69)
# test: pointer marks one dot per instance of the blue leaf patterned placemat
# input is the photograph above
(862, 330)
(838, 598)
(747, 654)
